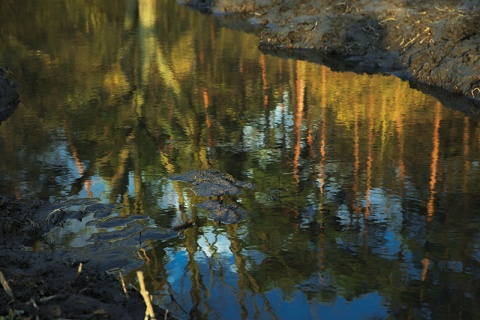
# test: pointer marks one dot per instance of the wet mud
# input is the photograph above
(435, 43)
(41, 279)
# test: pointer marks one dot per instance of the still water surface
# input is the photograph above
(367, 195)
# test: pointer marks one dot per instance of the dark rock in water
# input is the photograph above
(215, 188)
(210, 183)
(8, 95)
(187, 224)
(116, 222)
(213, 183)
(156, 234)
(229, 213)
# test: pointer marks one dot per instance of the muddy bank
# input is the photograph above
(51, 268)
(55, 283)
(432, 42)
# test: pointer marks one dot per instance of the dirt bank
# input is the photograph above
(54, 283)
(432, 42)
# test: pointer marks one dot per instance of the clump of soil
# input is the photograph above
(433, 42)
(50, 284)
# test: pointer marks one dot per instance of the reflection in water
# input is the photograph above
(433, 166)
(367, 195)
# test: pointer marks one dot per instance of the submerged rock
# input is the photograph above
(228, 214)
(211, 183)
(8, 95)
(214, 183)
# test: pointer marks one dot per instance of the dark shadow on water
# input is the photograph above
(450, 100)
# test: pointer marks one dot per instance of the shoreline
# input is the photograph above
(435, 45)
(55, 282)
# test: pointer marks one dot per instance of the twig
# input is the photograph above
(51, 213)
(386, 20)
(33, 303)
(80, 266)
(142, 254)
(149, 314)
(33, 223)
(409, 42)
(46, 299)
(123, 284)
(85, 289)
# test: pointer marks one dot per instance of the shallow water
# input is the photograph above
(367, 197)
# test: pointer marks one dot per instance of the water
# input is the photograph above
(367, 197)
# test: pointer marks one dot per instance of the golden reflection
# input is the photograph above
(466, 146)
(206, 102)
(425, 263)
(370, 159)
(78, 162)
(116, 81)
(434, 162)
(299, 106)
(401, 163)
(356, 159)
(264, 80)
(323, 143)
(322, 149)
(120, 171)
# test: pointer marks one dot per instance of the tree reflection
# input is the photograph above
(357, 176)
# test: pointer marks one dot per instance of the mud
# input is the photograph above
(55, 282)
(431, 42)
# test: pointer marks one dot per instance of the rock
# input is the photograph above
(228, 214)
(8, 95)
(212, 183)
